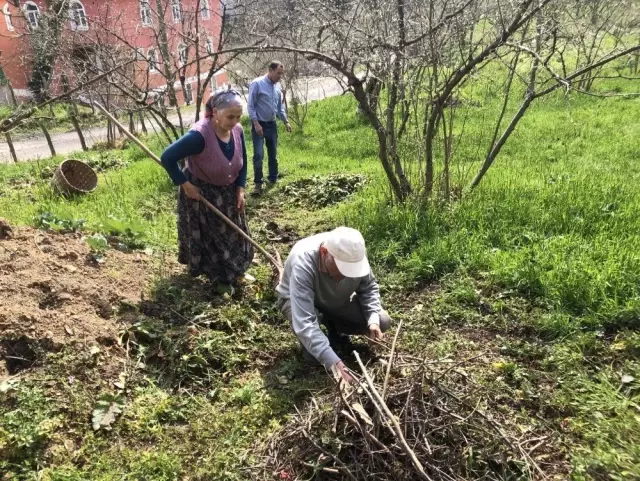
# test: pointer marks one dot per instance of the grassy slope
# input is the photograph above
(544, 255)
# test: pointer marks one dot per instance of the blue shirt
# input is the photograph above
(192, 143)
(265, 101)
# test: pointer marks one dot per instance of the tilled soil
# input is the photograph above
(53, 293)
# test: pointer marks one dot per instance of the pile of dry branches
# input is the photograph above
(412, 419)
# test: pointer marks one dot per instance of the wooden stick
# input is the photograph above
(47, 137)
(228, 221)
(393, 350)
(12, 150)
(393, 420)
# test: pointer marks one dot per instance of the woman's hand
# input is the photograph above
(191, 190)
(240, 199)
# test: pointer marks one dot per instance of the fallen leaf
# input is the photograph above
(106, 411)
(8, 385)
(68, 330)
(627, 379)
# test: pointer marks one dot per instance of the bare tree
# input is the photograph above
(408, 62)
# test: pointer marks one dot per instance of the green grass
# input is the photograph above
(544, 255)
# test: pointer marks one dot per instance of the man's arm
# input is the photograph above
(251, 101)
(369, 296)
(304, 319)
(281, 114)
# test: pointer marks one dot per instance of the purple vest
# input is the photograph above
(211, 165)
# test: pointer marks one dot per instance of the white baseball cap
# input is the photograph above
(346, 245)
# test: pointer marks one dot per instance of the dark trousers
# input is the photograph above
(270, 137)
(348, 319)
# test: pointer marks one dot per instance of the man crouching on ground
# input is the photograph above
(321, 276)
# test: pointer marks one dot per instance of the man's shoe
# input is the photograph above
(257, 190)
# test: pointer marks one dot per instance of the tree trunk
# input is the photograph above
(110, 137)
(159, 123)
(383, 152)
(166, 55)
(12, 150)
(132, 124)
(498, 146)
(48, 137)
(76, 125)
(12, 94)
(143, 127)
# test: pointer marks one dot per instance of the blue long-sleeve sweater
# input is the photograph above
(192, 143)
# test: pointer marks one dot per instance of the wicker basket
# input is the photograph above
(74, 177)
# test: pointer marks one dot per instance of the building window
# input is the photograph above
(153, 60)
(7, 17)
(145, 13)
(182, 54)
(78, 16)
(31, 12)
(206, 13)
(214, 85)
(176, 10)
(209, 46)
(188, 93)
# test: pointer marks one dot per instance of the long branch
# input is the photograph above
(11, 122)
(398, 430)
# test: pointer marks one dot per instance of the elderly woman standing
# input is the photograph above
(216, 169)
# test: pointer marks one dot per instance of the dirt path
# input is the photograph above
(35, 146)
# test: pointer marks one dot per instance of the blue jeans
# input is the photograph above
(270, 137)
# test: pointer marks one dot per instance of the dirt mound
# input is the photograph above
(5, 230)
(54, 294)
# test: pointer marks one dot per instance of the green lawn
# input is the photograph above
(544, 256)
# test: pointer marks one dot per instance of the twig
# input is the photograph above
(355, 423)
(393, 350)
(327, 453)
(394, 421)
(498, 429)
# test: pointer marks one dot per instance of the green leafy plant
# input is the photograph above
(317, 192)
(106, 411)
(60, 223)
(98, 245)
(127, 234)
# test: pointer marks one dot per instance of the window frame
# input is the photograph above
(176, 11)
(188, 89)
(31, 11)
(183, 48)
(205, 9)
(146, 14)
(152, 60)
(7, 17)
(83, 27)
(208, 46)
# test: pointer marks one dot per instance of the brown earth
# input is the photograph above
(54, 294)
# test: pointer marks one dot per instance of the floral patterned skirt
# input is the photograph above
(205, 243)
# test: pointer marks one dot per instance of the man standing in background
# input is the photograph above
(265, 106)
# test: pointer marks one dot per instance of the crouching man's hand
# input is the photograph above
(375, 333)
(342, 369)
